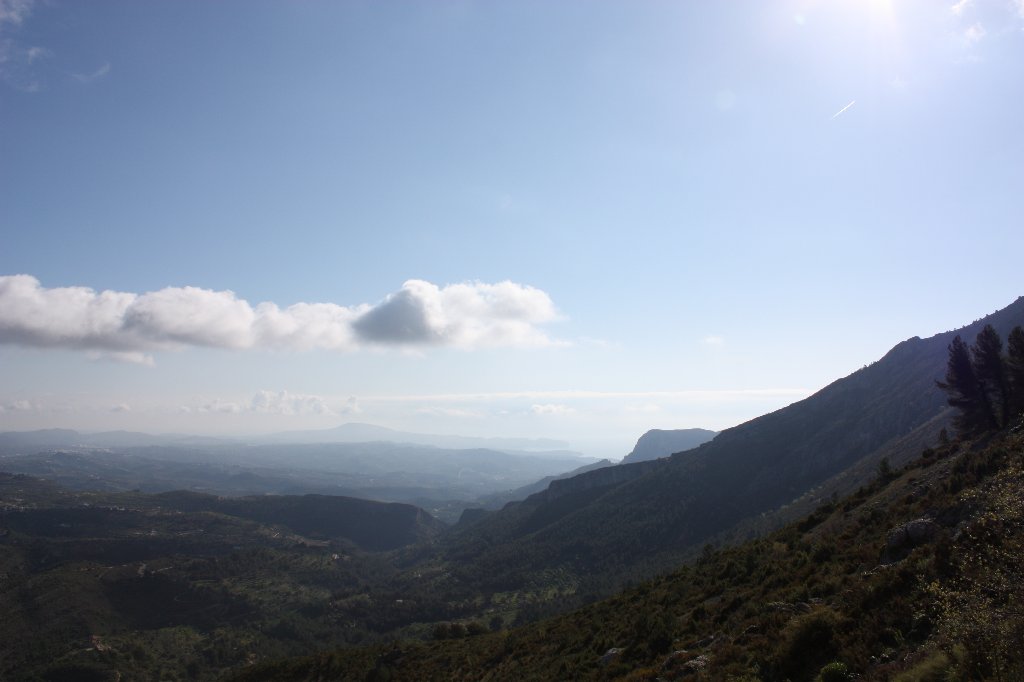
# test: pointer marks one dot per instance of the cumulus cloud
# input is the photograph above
(462, 315)
(219, 406)
(283, 402)
(551, 409)
(712, 340)
(18, 406)
(974, 33)
(126, 326)
(14, 12)
(959, 7)
(351, 406)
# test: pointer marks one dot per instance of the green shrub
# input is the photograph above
(836, 671)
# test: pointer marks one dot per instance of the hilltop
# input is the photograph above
(658, 443)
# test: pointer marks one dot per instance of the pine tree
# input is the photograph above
(987, 359)
(1015, 369)
(963, 390)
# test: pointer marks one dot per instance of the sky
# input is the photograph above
(573, 220)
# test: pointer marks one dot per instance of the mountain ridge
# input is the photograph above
(658, 443)
(667, 512)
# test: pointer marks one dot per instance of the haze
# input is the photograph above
(575, 221)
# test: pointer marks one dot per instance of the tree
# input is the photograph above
(1015, 369)
(964, 391)
(987, 359)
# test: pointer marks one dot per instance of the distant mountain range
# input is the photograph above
(355, 432)
(658, 443)
(444, 480)
(25, 442)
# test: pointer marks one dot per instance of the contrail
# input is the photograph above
(852, 102)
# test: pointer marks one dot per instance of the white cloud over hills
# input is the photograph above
(125, 325)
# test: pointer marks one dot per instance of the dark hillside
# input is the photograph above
(917, 576)
(669, 511)
(374, 526)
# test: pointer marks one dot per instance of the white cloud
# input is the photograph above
(470, 315)
(34, 54)
(959, 7)
(126, 326)
(221, 407)
(712, 340)
(974, 33)
(121, 407)
(19, 406)
(455, 412)
(94, 75)
(646, 408)
(551, 409)
(351, 406)
(283, 402)
(14, 12)
(16, 60)
(129, 357)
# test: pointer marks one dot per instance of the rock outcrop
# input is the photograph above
(658, 443)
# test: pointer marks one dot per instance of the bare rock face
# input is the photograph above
(911, 534)
(658, 443)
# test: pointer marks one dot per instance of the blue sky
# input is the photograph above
(578, 220)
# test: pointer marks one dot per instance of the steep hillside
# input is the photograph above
(658, 443)
(917, 576)
(602, 531)
(498, 500)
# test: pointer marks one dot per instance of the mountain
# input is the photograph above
(498, 500)
(914, 577)
(27, 442)
(602, 530)
(355, 432)
(658, 443)
(445, 480)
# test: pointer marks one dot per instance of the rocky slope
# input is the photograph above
(658, 443)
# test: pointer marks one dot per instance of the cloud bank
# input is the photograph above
(128, 325)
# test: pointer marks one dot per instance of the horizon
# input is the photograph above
(578, 222)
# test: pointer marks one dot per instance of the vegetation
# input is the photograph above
(915, 575)
(986, 386)
(913, 578)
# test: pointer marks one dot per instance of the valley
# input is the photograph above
(713, 548)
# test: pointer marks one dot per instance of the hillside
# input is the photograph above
(177, 585)
(917, 576)
(658, 443)
(601, 530)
